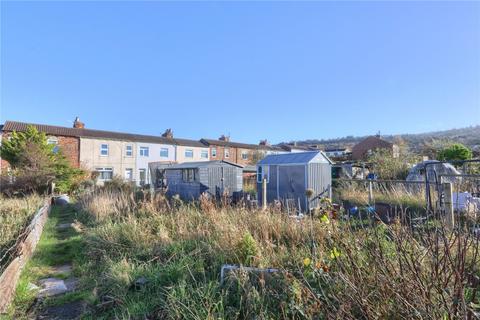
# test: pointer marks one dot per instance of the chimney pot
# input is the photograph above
(78, 124)
(224, 138)
(168, 133)
(264, 142)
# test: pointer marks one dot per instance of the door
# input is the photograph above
(128, 174)
(142, 175)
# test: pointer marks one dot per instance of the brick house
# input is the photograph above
(366, 147)
(240, 153)
(67, 139)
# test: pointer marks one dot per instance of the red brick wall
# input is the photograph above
(221, 154)
(70, 147)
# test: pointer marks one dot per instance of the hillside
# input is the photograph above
(469, 136)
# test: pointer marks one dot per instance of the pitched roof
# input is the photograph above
(193, 165)
(294, 158)
(289, 147)
(91, 133)
(189, 143)
(232, 144)
(370, 143)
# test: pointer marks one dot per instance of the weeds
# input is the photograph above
(327, 270)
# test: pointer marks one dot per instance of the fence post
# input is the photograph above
(264, 194)
(370, 192)
(448, 205)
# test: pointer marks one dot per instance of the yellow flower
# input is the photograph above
(307, 262)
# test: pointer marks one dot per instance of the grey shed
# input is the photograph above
(289, 175)
(190, 179)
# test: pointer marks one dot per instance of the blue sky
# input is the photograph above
(254, 70)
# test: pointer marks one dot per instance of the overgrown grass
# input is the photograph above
(327, 270)
(401, 197)
(15, 215)
(56, 247)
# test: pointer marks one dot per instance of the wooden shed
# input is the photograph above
(190, 179)
(289, 175)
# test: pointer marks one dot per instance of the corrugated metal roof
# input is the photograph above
(90, 133)
(296, 157)
(199, 164)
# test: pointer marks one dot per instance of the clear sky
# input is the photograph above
(254, 70)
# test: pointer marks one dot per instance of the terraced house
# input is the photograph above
(237, 152)
(110, 154)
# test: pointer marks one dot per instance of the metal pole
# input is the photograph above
(370, 193)
(448, 204)
(264, 194)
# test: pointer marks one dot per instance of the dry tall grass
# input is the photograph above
(328, 269)
(15, 215)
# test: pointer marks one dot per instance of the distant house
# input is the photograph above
(363, 149)
(294, 147)
(337, 152)
(237, 152)
(190, 179)
(289, 175)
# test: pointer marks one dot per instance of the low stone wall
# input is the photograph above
(10, 276)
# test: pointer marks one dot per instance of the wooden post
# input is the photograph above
(264, 194)
(448, 205)
(370, 192)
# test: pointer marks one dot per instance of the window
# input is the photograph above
(244, 155)
(214, 152)
(204, 154)
(104, 173)
(189, 175)
(142, 176)
(188, 153)
(129, 174)
(164, 152)
(129, 151)
(263, 172)
(52, 140)
(144, 151)
(227, 152)
(104, 149)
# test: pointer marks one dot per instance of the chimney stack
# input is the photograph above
(224, 138)
(264, 143)
(77, 124)
(168, 134)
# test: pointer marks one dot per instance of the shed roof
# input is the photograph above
(196, 164)
(295, 158)
(232, 144)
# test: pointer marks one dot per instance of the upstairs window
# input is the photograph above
(244, 155)
(204, 154)
(214, 152)
(104, 149)
(227, 152)
(164, 152)
(129, 151)
(188, 153)
(144, 151)
(53, 141)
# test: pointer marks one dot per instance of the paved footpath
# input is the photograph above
(49, 283)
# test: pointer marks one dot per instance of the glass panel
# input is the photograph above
(164, 152)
